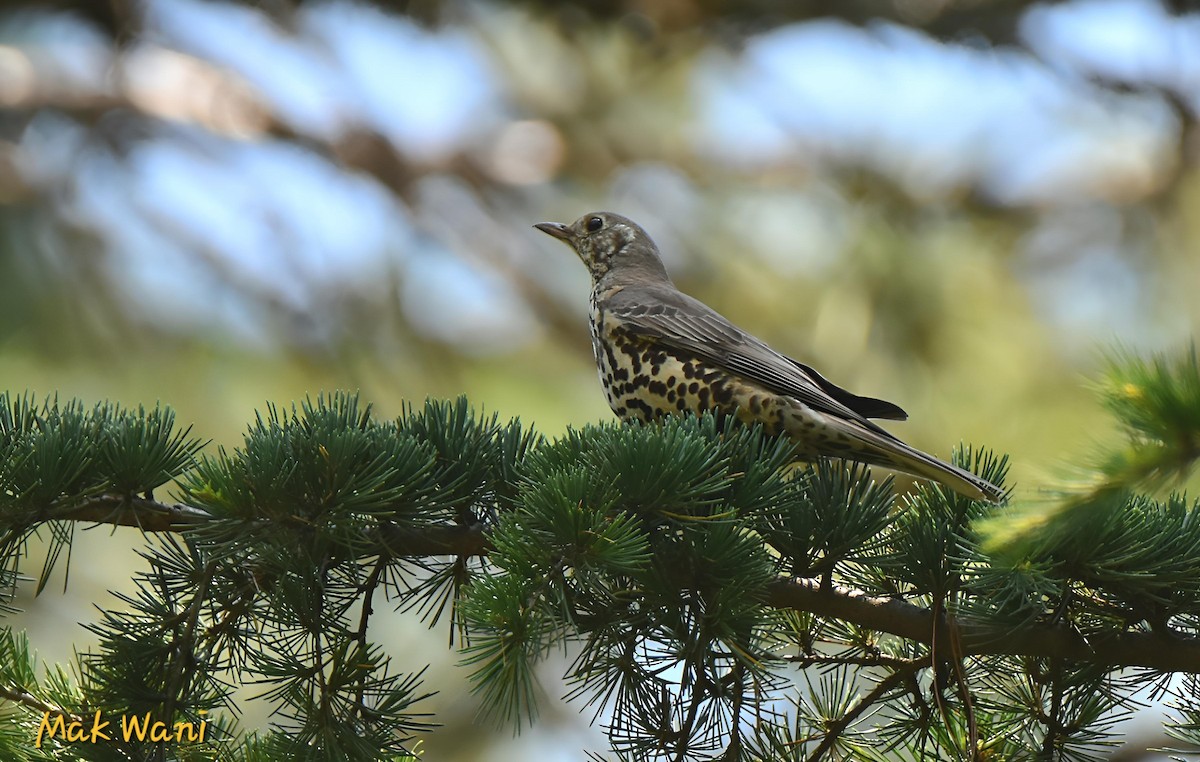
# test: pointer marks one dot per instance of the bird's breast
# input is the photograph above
(645, 380)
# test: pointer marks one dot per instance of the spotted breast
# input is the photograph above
(644, 381)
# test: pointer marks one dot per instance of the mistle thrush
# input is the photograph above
(660, 352)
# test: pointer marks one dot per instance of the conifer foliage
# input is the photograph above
(719, 601)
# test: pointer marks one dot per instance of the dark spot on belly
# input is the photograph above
(612, 358)
(657, 388)
(722, 394)
(640, 407)
(634, 354)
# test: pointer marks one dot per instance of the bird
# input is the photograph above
(661, 352)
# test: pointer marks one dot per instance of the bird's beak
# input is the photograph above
(556, 230)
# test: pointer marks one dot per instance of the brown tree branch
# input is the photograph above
(128, 511)
(435, 540)
(898, 617)
(32, 702)
(1155, 650)
(835, 728)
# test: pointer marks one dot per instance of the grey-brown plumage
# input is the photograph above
(661, 352)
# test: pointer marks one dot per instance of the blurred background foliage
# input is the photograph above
(953, 204)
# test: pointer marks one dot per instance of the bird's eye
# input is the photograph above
(594, 224)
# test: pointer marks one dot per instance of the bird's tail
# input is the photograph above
(885, 450)
(917, 463)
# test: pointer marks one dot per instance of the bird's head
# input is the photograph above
(613, 247)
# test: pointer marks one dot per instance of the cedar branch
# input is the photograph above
(1168, 653)
(1155, 650)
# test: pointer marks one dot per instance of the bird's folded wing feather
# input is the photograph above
(683, 323)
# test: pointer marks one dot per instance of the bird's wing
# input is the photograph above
(677, 320)
(868, 407)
